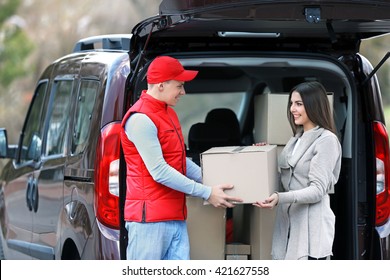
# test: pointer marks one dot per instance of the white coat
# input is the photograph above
(305, 223)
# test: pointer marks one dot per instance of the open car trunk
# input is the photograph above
(249, 53)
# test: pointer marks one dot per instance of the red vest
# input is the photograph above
(147, 200)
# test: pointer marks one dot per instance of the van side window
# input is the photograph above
(31, 145)
(59, 117)
(85, 103)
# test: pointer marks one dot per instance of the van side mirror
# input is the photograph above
(3, 143)
(6, 151)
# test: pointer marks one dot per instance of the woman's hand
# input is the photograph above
(260, 144)
(270, 202)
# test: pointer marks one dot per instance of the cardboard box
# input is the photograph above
(236, 257)
(206, 229)
(271, 123)
(237, 249)
(251, 169)
(261, 228)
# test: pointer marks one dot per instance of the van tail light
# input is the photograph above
(382, 174)
(107, 176)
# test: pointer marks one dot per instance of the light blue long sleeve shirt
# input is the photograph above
(143, 133)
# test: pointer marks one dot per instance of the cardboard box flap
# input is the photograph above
(250, 149)
(239, 149)
(221, 150)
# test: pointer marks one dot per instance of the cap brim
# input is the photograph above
(186, 75)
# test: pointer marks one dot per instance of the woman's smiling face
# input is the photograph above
(297, 109)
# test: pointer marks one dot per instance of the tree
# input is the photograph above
(14, 44)
(15, 47)
(54, 29)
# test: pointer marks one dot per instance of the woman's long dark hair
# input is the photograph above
(316, 102)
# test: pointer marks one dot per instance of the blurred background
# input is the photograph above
(33, 33)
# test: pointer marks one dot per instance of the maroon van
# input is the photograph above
(62, 186)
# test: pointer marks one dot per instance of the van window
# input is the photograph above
(85, 103)
(59, 117)
(193, 107)
(33, 127)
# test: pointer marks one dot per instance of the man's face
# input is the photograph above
(171, 91)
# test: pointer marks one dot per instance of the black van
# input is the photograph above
(62, 186)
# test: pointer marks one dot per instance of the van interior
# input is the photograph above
(239, 101)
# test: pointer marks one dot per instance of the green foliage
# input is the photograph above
(17, 46)
(12, 56)
(14, 45)
(7, 8)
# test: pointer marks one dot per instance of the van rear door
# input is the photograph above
(335, 24)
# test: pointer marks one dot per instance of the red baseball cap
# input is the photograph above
(166, 68)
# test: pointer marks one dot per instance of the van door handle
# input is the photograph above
(29, 193)
(34, 195)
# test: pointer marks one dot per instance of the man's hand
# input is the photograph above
(220, 199)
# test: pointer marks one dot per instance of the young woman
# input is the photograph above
(310, 166)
